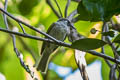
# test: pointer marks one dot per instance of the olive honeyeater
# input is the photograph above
(59, 30)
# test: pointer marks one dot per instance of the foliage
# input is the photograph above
(85, 44)
(97, 10)
(39, 14)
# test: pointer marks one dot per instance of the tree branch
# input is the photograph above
(102, 49)
(26, 47)
(22, 28)
(19, 55)
(59, 9)
(79, 55)
(66, 8)
(51, 6)
(59, 42)
(111, 44)
(74, 20)
(35, 37)
(70, 17)
(29, 26)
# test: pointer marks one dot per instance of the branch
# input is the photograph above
(103, 56)
(102, 49)
(79, 55)
(19, 55)
(66, 8)
(35, 37)
(111, 44)
(74, 20)
(112, 74)
(61, 44)
(29, 26)
(50, 4)
(22, 28)
(70, 17)
(59, 9)
(26, 47)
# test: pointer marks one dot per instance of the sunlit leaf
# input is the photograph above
(105, 71)
(2, 25)
(65, 59)
(88, 44)
(52, 75)
(90, 58)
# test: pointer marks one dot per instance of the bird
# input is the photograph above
(59, 30)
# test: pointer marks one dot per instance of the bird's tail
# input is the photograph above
(43, 63)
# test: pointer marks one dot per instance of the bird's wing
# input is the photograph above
(45, 43)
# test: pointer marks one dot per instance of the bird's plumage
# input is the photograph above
(58, 30)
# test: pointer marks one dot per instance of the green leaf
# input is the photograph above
(2, 22)
(90, 58)
(88, 44)
(26, 6)
(109, 33)
(52, 75)
(117, 39)
(97, 10)
(65, 59)
(10, 65)
(105, 70)
(84, 15)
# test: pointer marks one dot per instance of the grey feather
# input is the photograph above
(58, 30)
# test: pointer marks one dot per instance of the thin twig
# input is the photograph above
(103, 56)
(35, 37)
(79, 55)
(111, 44)
(59, 8)
(14, 44)
(29, 26)
(92, 52)
(102, 49)
(66, 8)
(112, 74)
(22, 28)
(5, 17)
(26, 47)
(50, 4)
(61, 44)
(73, 13)
(119, 73)
(74, 20)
